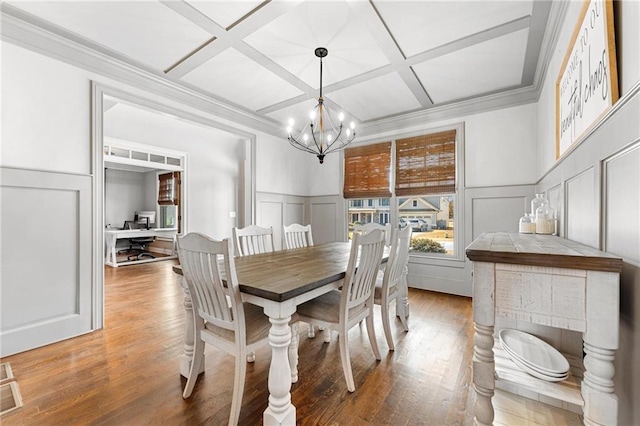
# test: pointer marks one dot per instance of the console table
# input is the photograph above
(550, 281)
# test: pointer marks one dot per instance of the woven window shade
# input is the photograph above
(366, 171)
(169, 189)
(426, 165)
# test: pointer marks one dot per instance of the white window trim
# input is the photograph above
(458, 259)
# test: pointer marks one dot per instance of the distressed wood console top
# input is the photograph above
(540, 250)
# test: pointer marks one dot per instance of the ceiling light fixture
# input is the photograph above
(320, 136)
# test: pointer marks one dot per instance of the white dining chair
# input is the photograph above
(297, 236)
(388, 283)
(341, 310)
(226, 322)
(249, 240)
(252, 239)
(368, 227)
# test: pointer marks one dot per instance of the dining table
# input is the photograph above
(279, 281)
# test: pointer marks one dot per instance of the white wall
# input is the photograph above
(45, 113)
(282, 169)
(501, 147)
(124, 194)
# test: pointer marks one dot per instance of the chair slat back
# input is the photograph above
(368, 227)
(253, 239)
(364, 263)
(216, 301)
(297, 236)
(398, 258)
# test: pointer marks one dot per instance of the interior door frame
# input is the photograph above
(98, 93)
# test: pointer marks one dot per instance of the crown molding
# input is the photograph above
(557, 15)
(24, 30)
(454, 110)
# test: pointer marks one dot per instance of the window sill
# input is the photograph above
(423, 259)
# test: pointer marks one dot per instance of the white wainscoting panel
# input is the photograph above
(554, 195)
(294, 213)
(582, 214)
(324, 217)
(46, 258)
(277, 210)
(622, 208)
(272, 214)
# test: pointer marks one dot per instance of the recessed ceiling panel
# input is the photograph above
(225, 13)
(234, 77)
(482, 68)
(148, 32)
(376, 98)
(418, 26)
(291, 39)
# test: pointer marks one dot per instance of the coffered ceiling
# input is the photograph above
(387, 58)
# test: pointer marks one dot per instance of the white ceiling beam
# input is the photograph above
(400, 67)
(473, 39)
(537, 27)
(378, 28)
(234, 37)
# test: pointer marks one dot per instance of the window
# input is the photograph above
(169, 189)
(424, 190)
(366, 180)
(366, 171)
(168, 217)
(169, 199)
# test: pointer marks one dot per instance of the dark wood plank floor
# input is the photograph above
(127, 373)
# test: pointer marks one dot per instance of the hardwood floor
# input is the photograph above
(127, 373)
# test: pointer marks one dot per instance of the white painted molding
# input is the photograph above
(487, 103)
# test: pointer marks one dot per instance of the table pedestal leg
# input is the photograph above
(483, 374)
(111, 250)
(280, 410)
(402, 302)
(600, 403)
(189, 333)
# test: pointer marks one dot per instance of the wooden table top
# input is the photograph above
(285, 274)
(540, 250)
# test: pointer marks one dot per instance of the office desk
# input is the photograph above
(111, 236)
(279, 282)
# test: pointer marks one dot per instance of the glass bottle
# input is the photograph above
(537, 202)
(545, 220)
(527, 224)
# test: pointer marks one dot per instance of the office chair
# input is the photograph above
(138, 245)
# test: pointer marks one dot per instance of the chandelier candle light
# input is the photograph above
(320, 136)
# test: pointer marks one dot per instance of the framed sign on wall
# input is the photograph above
(587, 85)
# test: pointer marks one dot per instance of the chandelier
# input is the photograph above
(321, 136)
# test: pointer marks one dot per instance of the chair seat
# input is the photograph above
(142, 240)
(377, 292)
(324, 308)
